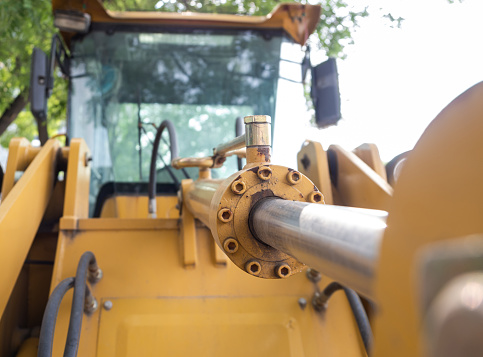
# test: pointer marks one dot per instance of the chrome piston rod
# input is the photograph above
(340, 242)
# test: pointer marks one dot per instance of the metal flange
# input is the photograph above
(230, 210)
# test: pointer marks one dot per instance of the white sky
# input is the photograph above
(395, 81)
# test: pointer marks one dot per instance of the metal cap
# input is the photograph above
(257, 119)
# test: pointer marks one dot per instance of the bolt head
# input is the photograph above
(313, 275)
(253, 267)
(257, 119)
(90, 306)
(264, 173)
(294, 177)
(283, 271)
(107, 305)
(225, 215)
(316, 197)
(230, 245)
(238, 187)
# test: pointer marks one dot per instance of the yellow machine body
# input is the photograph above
(169, 286)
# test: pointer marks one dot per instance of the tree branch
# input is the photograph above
(12, 111)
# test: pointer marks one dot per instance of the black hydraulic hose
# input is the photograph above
(86, 263)
(357, 309)
(46, 338)
(173, 145)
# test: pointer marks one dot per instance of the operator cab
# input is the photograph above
(127, 76)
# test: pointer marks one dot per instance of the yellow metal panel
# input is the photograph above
(370, 155)
(148, 265)
(438, 196)
(137, 207)
(357, 184)
(76, 202)
(29, 347)
(138, 224)
(187, 231)
(20, 216)
(20, 154)
(312, 162)
(255, 327)
(220, 257)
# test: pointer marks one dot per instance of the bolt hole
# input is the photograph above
(283, 271)
(293, 177)
(316, 197)
(225, 215)
(264, 173)
(230, 245)
(254, 268)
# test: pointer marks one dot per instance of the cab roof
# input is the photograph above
(297, 20)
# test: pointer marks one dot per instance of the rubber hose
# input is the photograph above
(357, 309)
(47, 329)
(173, 144)
(77, 312)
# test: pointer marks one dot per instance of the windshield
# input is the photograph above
(124, 84)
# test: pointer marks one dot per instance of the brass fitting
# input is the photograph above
(258, 138)
(257, 129)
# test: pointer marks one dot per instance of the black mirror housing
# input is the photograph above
(325, 93)
(38, 84)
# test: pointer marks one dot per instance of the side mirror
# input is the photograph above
(42, 81)
(38, 84)
(325, 93)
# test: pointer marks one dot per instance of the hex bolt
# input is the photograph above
(238, 187)
(230, 245)
(90, 304)
(94, 274)
(319, 301)
(225, 215)
(264, 173)
(253, 267)
(313, 275)
(316, 197)
(293, 177)
(283, 270)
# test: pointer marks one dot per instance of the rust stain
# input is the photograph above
(254, 169)
(257, 196)
(264, 151)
